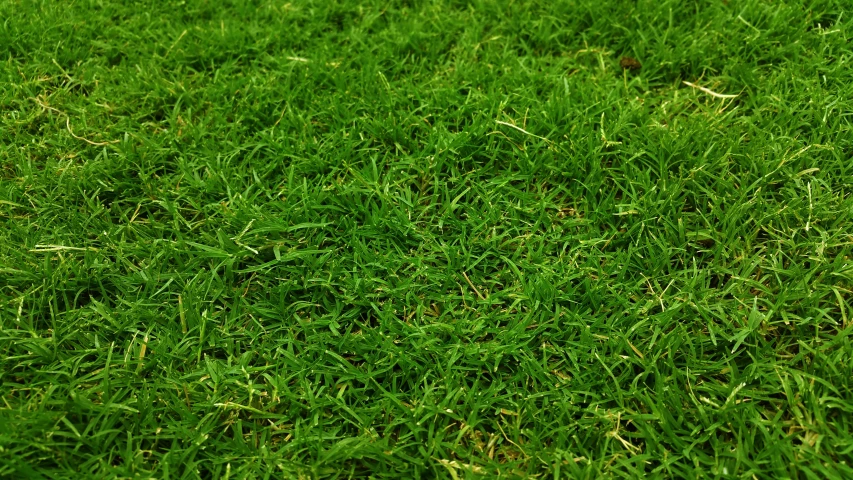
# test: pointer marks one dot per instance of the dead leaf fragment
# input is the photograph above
(630, 63)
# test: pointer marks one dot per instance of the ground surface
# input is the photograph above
(433, 239)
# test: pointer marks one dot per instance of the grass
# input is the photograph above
(427, 239)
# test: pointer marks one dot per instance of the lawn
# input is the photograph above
(426, 239)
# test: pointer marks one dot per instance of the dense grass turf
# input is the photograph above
(438, 238)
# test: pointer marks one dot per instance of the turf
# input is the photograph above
(426, 239)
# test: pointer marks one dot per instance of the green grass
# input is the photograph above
(429, 239)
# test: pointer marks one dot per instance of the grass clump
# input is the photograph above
(426, 239)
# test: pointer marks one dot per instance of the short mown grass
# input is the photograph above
(426, 239)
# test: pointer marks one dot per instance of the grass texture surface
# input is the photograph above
(426, 239)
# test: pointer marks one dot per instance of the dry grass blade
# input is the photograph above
(708, 91)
